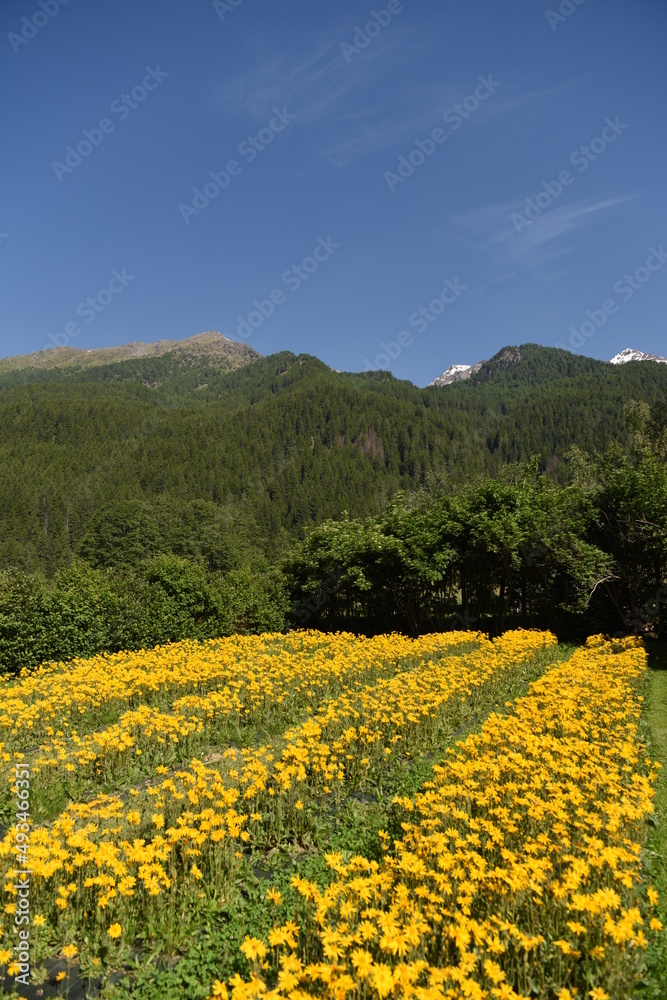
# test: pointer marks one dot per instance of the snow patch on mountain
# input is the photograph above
(456, 373)
(632, 355)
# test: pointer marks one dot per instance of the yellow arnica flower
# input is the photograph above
(383, 979)
(115, 931)
(253, 948)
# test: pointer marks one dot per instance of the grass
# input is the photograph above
(654, 984)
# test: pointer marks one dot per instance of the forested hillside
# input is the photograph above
(166, 454)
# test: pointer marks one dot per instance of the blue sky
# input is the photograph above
(312, 239)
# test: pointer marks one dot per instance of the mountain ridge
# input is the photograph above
(225, 355)
(460, 373)
(209, 344)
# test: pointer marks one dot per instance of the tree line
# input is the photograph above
(518, 549)
(586, 556)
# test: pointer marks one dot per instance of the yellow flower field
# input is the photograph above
(518, 872)
(514, 871)
(238, 682)
(269, 667)
(266, 678)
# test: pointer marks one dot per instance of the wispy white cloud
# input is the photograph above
(385, 129)
(311, 80)
(552, 236)
(551, 230)
(363, 109)
(510, 100)
(415, 117)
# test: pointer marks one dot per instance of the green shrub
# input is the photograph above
(84, 611)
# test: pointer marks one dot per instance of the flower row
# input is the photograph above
(519, 870)
(137, 861)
